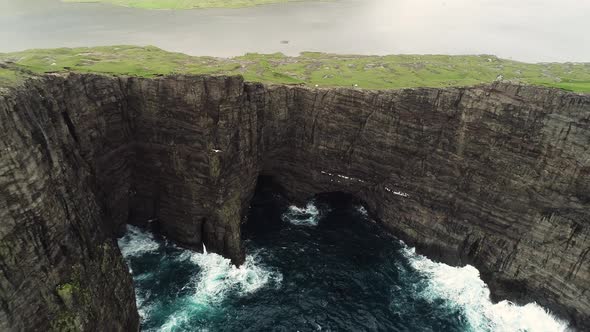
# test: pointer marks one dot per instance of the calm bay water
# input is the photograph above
(323, 267)
(526, 30)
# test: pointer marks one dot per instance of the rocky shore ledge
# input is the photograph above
(497, 176)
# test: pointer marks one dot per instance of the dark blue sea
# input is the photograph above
(326, 266)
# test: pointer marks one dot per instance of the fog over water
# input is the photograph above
(526, 30)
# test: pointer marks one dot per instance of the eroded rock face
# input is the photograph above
(496, 176)
(60, 268)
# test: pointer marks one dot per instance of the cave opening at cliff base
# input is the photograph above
(322, 264)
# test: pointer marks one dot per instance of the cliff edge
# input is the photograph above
(497, 176)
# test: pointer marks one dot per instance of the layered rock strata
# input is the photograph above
(497, 176)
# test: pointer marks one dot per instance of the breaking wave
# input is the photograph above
(137, 242)
(218, 277)
(307, 216)
(463, 289)
(182, 290)
(201, 295)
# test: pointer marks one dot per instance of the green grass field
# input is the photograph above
(8, 77)
(324, 70)
(184, 4)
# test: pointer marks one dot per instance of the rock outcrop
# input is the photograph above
(497, 176)
(60, 267)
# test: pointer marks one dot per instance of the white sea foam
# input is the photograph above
(218, 277)
(464, 290)
(307, 216)
(143, 308)
(137, 242)
(216, 280)
(176, 321)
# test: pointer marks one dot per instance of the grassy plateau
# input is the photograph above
(323, 70)
(183, 4)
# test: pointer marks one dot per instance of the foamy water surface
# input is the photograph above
(317, 270)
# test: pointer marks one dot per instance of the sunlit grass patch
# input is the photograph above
(310, 68)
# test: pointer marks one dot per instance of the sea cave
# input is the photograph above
(208, 189)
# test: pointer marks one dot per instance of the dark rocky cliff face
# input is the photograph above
(496, 176)
(60, 268)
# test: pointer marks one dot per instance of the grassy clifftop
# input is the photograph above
(324, 70)
(184, 4)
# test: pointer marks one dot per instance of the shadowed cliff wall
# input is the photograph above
(60, 267)
(496, 176)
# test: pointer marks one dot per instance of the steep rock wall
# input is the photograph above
(60, 268)
(496, 176)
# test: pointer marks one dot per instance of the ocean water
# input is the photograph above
(325, 266)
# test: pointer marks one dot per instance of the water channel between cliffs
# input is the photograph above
(326, 266)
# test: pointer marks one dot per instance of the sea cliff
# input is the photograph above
(496, 175)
